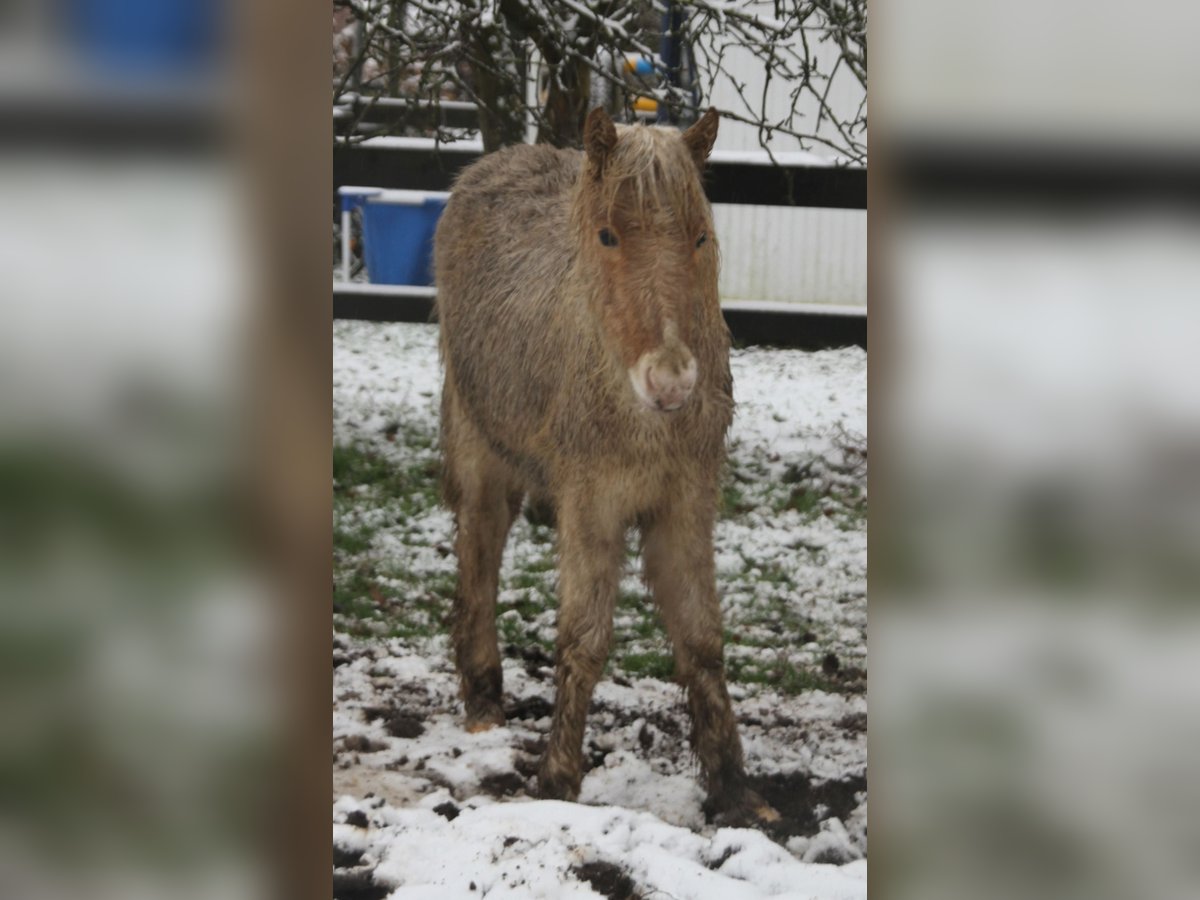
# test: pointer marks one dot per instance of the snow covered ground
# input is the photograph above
(424, 809)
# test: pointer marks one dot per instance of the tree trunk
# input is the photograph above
(498, 89)
(566, 105)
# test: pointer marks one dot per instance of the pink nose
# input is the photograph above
(668, 389)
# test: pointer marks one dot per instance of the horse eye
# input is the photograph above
(607, 238)
(702, 239)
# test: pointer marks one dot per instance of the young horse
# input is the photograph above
(587, 362)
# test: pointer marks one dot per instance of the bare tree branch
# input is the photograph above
(484, 51)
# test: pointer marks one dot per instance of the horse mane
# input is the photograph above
(649, 172)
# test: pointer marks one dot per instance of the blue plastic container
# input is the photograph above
(398, 229)
(147, 37)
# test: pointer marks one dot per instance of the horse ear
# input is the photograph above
(701, 136)
(599, 139)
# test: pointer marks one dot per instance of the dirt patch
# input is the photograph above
(503, 784)
(724, 857)
(447, 809)
(395, 722)
(594, 756)
(346, 859)
(528, 764)
(357, 884)
(536, 659)
(672, 723)
(850, 680)
(530, 709)
(802, 805)
(360, 743)
(853, 722)
(608, 880)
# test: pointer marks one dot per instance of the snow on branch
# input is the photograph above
(547, 61)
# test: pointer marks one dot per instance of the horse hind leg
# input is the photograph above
(485, 497)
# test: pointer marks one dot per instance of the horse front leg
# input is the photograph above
(680, 572)
(591, 548)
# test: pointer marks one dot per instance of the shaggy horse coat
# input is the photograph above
(587, 364)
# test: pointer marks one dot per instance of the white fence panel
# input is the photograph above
(793, 255)
(779, 253)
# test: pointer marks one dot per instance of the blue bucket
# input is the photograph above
(398, 229)
(147, 37)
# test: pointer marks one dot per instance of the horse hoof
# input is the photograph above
(557, 787)
(766, 813)
(484, 719)
(747, 811)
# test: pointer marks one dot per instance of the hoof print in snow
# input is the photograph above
(447, 809)
(608, 880)
(357, 818)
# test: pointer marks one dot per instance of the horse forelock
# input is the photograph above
(650, 172)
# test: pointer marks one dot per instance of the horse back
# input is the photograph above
(502, 254)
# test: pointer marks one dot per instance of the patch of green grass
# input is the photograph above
(351, 541)
(747, 638)
(362, 601)
(511, 630)
(544, 564)
(527, 580)
(733, 500)
(774, 573)
(351, 594)
(413, 487)
(527, 607)
(642, 612)
(853, 513)
(803, 499)
(781, 675)
(648, 665)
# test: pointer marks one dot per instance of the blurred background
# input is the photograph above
(143, 641)
(1035, 540)
(164, 459)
